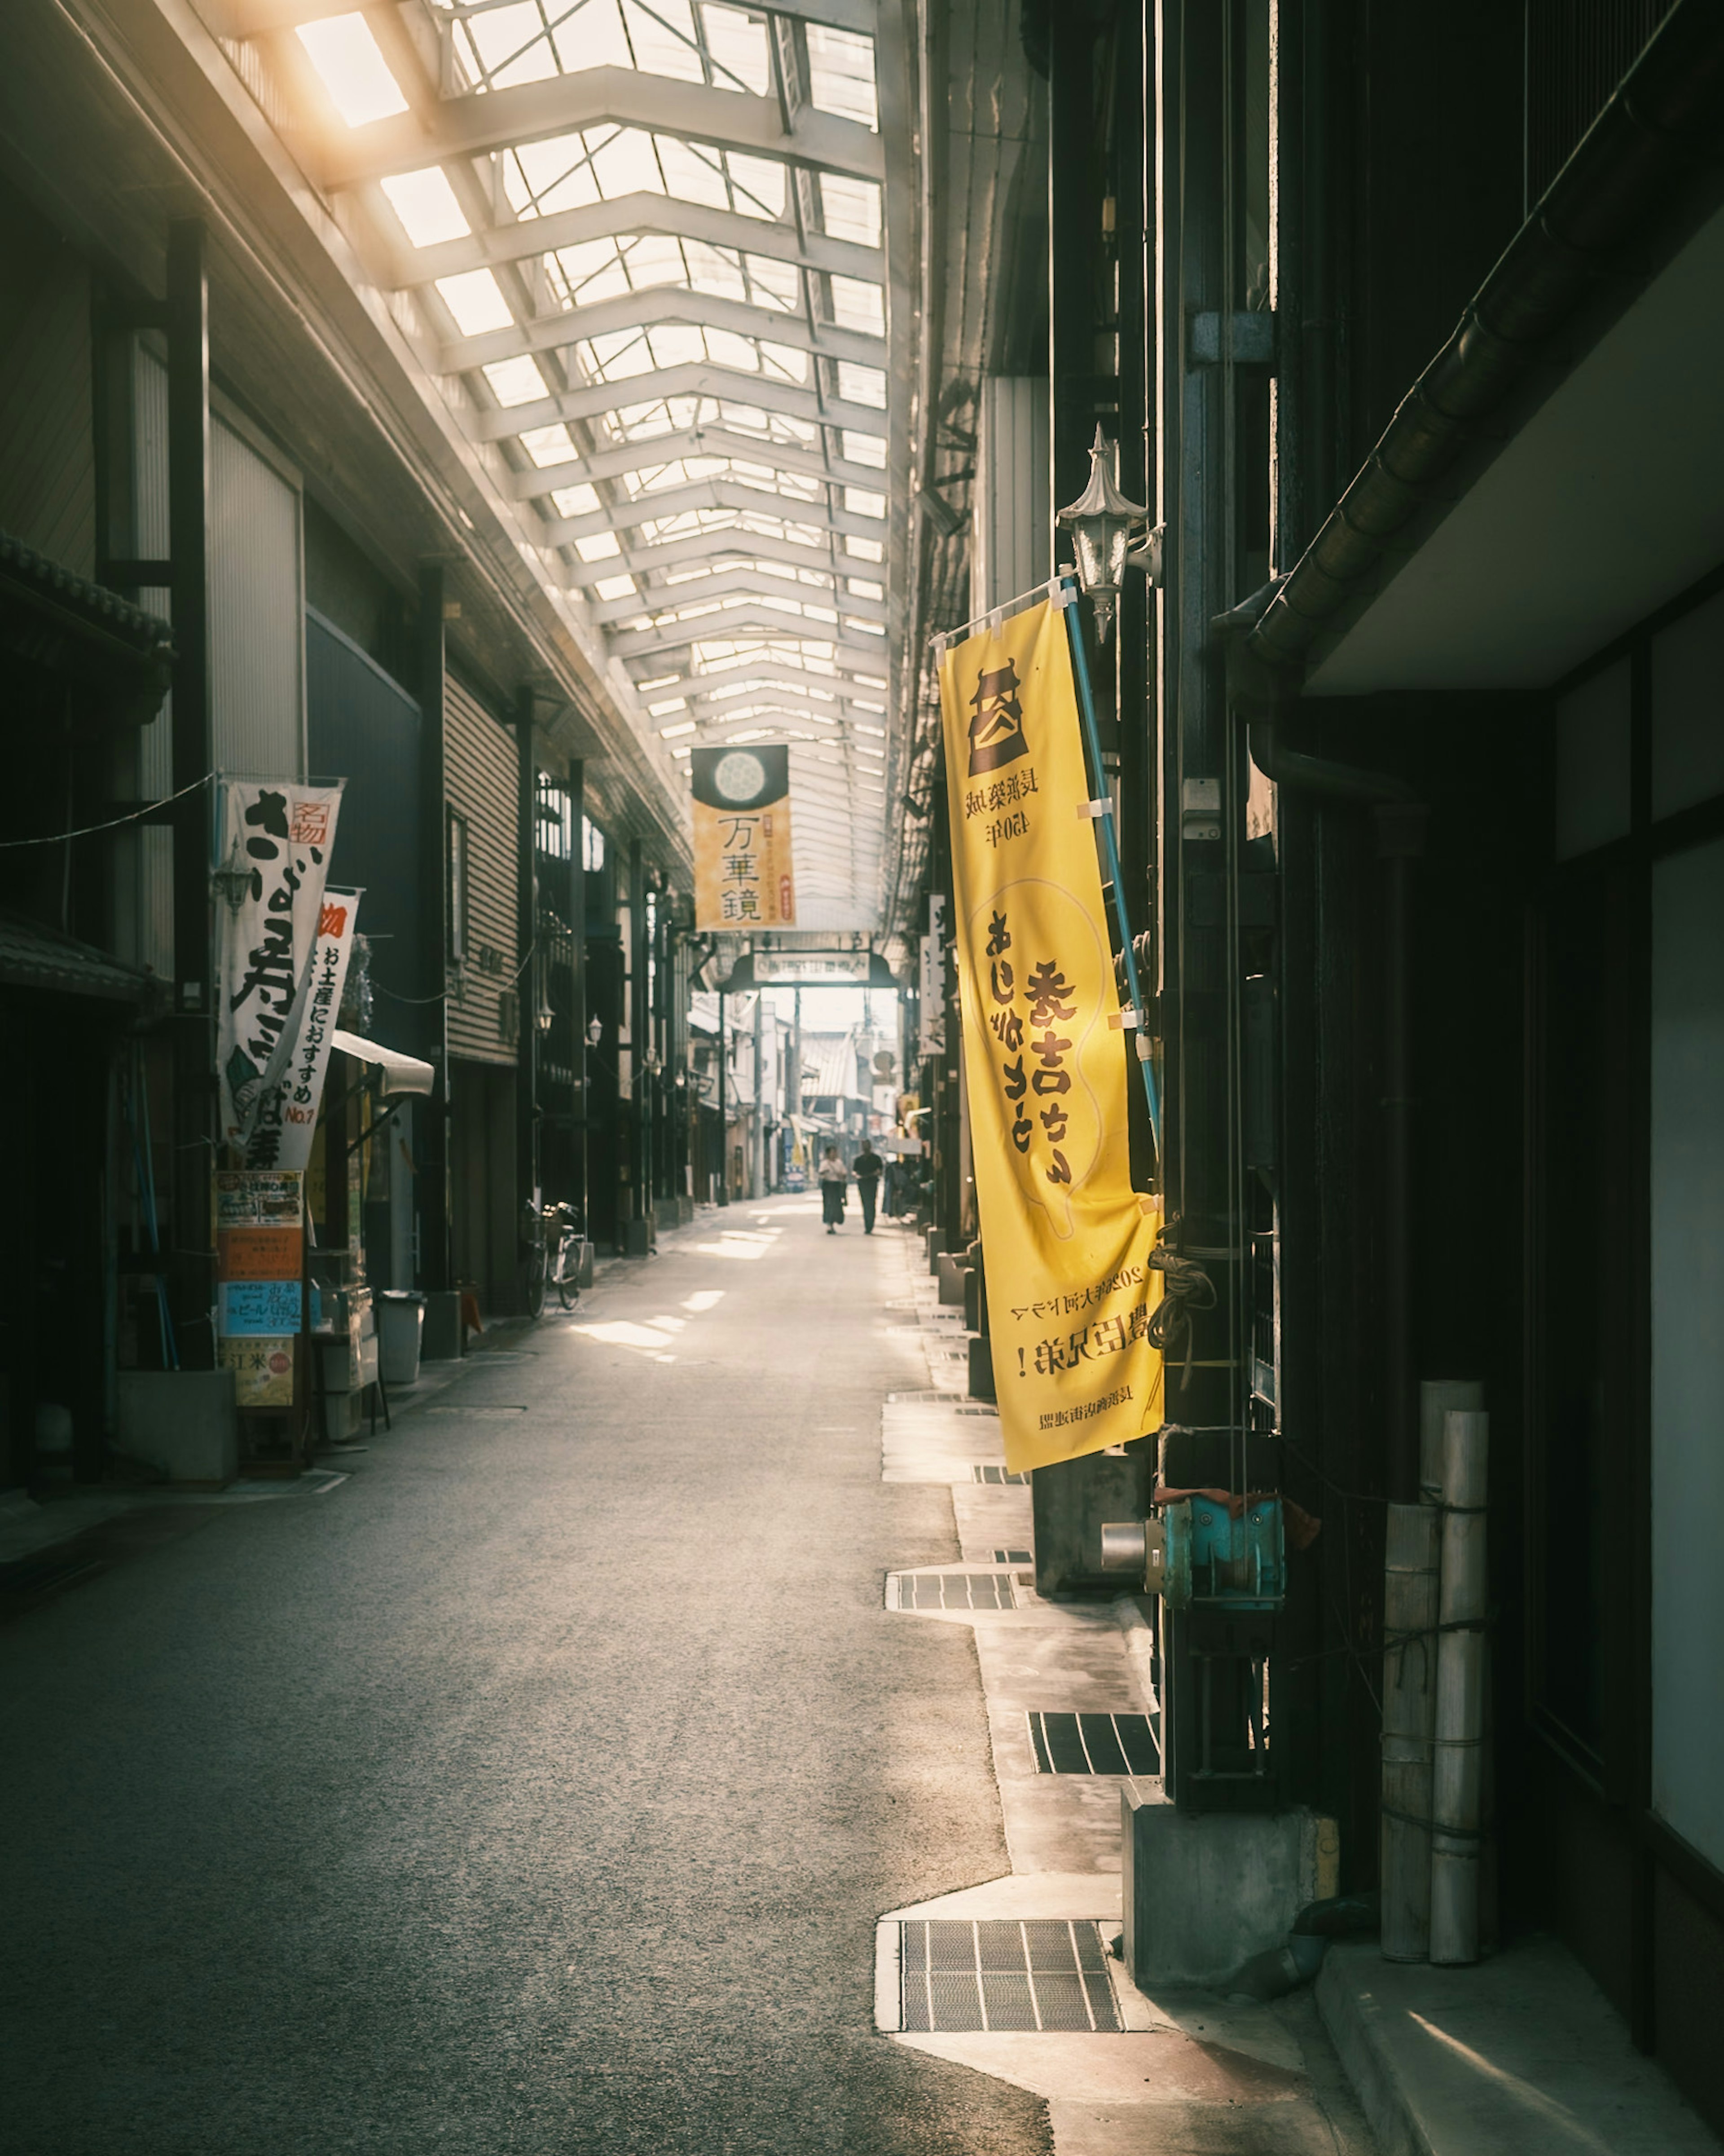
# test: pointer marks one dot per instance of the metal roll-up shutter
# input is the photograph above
(484, 999)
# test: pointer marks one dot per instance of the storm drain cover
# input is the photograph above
(1046, 1973)
(989, 1474)
(1012, 1556)
(1096, 1744)
(955, 1590)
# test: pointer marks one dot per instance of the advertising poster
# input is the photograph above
(260, 1263)
(280, 833)
(742, 874)
(1070, 1288)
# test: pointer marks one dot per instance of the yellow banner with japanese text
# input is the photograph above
(743, 878)
(1066, 1238)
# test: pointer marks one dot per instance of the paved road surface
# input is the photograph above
(537, 1788)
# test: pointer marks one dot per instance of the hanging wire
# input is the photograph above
(114, 823)
(378, 988)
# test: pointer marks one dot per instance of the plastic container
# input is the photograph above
(401, 1322)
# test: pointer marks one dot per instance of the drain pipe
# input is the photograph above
(1457, 1763)
(1257, 691)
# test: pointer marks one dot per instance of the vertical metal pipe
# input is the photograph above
(724, 1113)
(431, 1184)
(577, 987)
(534, 981)
(1457, 1770)
(193, 755)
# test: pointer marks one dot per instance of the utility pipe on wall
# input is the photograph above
(1457, 1773)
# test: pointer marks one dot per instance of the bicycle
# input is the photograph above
(553, 1235)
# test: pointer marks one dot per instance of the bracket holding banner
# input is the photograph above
(1124, 1020)
(1096, 810)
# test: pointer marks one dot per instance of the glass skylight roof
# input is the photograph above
(688, 375)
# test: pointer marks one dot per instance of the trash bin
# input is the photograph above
(400, 1320)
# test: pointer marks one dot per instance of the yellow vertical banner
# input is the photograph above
(1070, 1286)
(742, 874)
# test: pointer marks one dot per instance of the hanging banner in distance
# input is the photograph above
(1067, 1241)
(743, 877)
(931, 982)
(287, 1116)
(282, 832)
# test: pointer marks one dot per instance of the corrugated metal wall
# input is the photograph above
(484, 995)
(48, 467)
(257, 618)
(1013, 548)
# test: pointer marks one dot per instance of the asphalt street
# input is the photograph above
(536, 1788)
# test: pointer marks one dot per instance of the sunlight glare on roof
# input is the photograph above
(850, 209)
(475, 300)
(425, 202)
(351, 68)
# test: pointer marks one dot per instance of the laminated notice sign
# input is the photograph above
(743, 878)
(259, 1269)
(1068, 1240)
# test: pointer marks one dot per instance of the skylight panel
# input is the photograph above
(737, 41)
(841, 74)
(860, 502)
(862, 385)
(507, 45)
(351, 66)
(654, 258)
(598, 547)
(860, 728)
(591, 36)
(539, 177)
(515, 380)
(616, 357)
(857, 305)
(614, 587)
(475, 300)
(850, 208)
(575, 500)
(549, 445)
(783, 359)
(714, 270)
(425, 202)
(864, 589)
(774, 283)
(758, 185)
(692, 175)
(639, 422)
(862, 450)
(683, 727)
(664, 40)
(678, 344)
(864, 550)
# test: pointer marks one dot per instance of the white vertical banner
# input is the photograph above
(931, 1002)
(280, 832)
(280, 1134)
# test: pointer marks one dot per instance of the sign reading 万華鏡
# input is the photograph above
(280, 832)
(1070, 1286)
(742, 873)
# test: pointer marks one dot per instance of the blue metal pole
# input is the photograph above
(1110, 843)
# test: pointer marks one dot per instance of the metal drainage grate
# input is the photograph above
(955, 1590)
(1013, 1557)
(1095, 1743)
(1044, 1973)
(987, 1474)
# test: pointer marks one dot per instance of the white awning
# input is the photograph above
(401, 1074)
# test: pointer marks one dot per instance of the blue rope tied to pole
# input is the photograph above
(1111, 850)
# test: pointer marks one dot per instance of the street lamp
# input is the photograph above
(595, 1031)
(1101, 522)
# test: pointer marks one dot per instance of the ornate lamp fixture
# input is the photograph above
(1101, 522)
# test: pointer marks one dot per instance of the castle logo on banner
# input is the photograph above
(1066, 1237)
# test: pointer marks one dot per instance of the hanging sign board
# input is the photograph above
(931, 998)
(1070, 1288)
(278, 833)
(260, 1266)
(286, 1117)
(742, 874)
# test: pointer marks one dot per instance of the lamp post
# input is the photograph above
(1101, 522)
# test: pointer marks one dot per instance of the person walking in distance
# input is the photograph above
(867, 1168)
(834, 1176)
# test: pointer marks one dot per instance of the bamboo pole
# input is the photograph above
(1457, 1768)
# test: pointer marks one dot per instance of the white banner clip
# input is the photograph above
(1124, 1021)
(1097, 810)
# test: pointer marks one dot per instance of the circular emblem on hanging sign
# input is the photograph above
(739, 776)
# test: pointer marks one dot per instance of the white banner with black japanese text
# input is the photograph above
(282, 833)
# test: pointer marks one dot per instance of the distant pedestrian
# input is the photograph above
(834, 1176)
(867, 1168)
